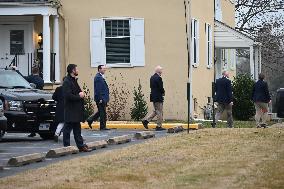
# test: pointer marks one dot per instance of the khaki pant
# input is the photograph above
(158, 111)
(228, 108)
(261, 109)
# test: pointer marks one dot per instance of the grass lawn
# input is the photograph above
(208, 158)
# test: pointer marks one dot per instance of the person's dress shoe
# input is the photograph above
(85, 149)
(90, 124)
(105, 129)
(160, 129)
(32, 135)
(145, 123)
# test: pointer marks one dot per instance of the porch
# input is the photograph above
(227, 41)
(29, 35)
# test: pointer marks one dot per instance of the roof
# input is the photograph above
(53, 3)
(228, 37)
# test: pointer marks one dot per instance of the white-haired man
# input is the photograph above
(157, 97)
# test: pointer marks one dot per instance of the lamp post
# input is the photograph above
(187, 7)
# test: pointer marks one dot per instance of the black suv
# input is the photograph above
(3, 120)
(27, 110)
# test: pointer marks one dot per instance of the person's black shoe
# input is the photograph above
(104, 129)
(90, 124)
(145, 123)
(32, 135)
(160, 129)
(263, 125)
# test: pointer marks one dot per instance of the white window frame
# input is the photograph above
(104, 42)
(209, 45)
(194, 38)
(135, 35)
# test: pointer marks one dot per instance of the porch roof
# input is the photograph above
(229, 38)
(28, 7)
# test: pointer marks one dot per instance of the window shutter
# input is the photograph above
(137, 43)
(197, 46)
(192, 43)
(97, 42)
(210, 47)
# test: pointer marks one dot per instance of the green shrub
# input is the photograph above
(88, 102)
(139, 109)
(243, 108)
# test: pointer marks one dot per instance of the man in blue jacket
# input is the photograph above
(101, 97)
(261, 98)
(224, 98)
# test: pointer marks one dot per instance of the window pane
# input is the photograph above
(17, 42)
(117, 28)
(117, 50)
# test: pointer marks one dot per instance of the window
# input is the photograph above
(209, 53)
(117, 42)
(17, 42)
(195, 42)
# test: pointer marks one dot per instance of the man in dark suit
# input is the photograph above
(36, 79)
(39, 83)
(261, 98)
(224, 98)
(73, 108)
(157, 97)
(101, 97)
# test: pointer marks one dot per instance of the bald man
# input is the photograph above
(157, 97)
(224, 98)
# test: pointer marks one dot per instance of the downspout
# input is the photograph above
(187, 8)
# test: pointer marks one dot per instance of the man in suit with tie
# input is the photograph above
(101, 97)
(224, 98)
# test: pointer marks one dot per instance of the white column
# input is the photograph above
(251, 62)
(256, 61)
(260, 61)
(46, 49)
(56, 47)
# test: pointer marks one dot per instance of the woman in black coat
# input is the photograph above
(59, 114)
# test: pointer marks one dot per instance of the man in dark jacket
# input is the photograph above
(101, 97)
(261, 98)
(36, 79)
(157, 97)
(59, 114)
(73, 108)
(224, 98)
(39, 83)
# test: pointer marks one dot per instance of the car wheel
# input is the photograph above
(1, 134)
(46, 136)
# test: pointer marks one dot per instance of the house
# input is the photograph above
(131, 37)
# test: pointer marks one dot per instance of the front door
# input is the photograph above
(15, 43)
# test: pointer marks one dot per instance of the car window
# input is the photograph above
(12, 79)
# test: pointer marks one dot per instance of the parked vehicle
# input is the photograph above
(3, 121)
(27, 110)
(280, 103)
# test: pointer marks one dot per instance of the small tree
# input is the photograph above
(88, 102)
(243, 108)
(139, 109)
